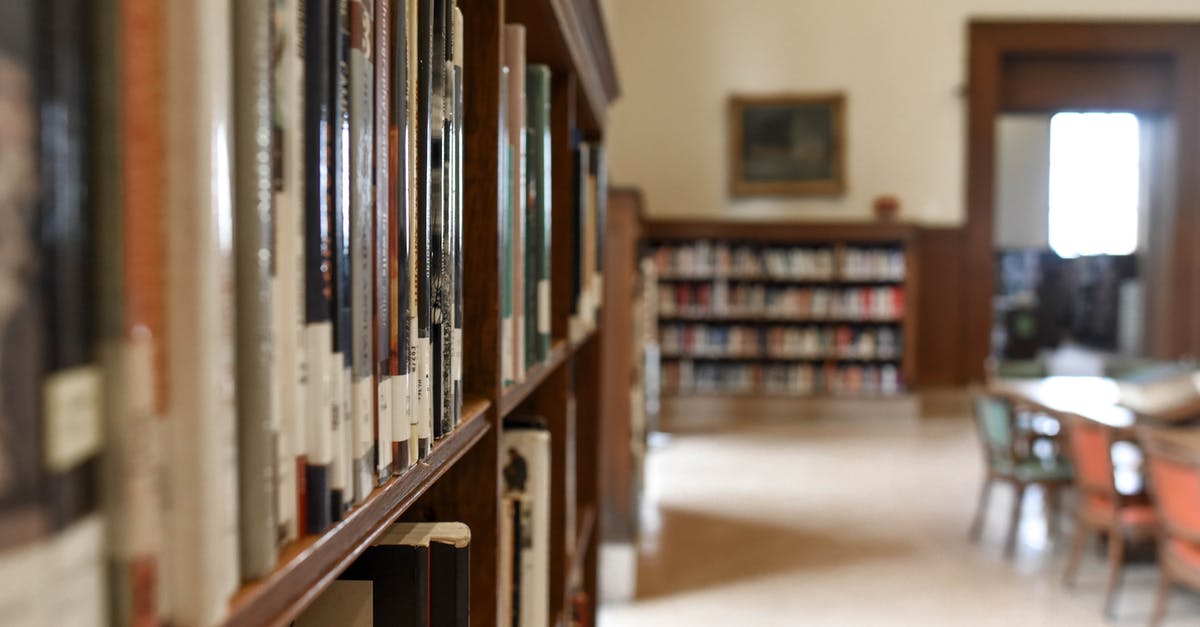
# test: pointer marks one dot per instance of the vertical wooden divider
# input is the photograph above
(588, 446)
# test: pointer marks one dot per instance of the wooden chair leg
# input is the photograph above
(1053, 497)
(1160, 599)
(1078, 544)
(981, 510)
(1116, 558)
(1014, 525)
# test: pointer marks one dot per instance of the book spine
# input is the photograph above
(362, 240)
(438, 189)
(599, 196)
(318, 241)
(416, 196)
(399, 177)
(456, 363)
(578, 239)
(449, 584)
(254, 257)
(385, 305)
(341, 476)
(538, 104)
(504, 178)
(23, 515)
(527, 482)
(425, 201)
(287, 184)
(200, 323)
(514, 56)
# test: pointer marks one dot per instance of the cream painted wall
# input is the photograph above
(901, 64)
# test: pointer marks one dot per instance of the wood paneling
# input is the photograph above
(1035, 82)
(939, 346)
(621, 245)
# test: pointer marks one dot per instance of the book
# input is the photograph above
(505, 233)
(203, 543)
(287, 168)
(368, 464)
(526, 476)
(389, 415)
(439, 269)
(514, 59)
(538, 210)
(341, 476)
(422, 273)
(401, 197)
(456, 227)
(597, 195)
(579, 242)
(415, 574)
(254, 277)
(24, 520)
(318, 268)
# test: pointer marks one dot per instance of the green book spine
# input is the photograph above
(537, 83)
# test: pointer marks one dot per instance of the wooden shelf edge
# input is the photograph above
(845, 359)
(797, 231)
(778, 319)
(781, 280)
(670, 395)
(587, 337)
(309, 565)
(515, 394)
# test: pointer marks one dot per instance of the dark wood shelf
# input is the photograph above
(789, 320)
(670, 394)
(800, 233)
(783, 358)
(587, 337)
(512, 396)
(309, 565)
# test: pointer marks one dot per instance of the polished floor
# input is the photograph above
(853, 522)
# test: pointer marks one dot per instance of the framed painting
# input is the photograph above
(787, 145)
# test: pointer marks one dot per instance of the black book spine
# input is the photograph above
(437, 220)
(449, 585)
(400, 168)
(340, 477)
(383, 212)
(400, 578)
(425, 16)
(318, 243)
(459, 195)
(71, 387)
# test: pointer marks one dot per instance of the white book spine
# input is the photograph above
(319, 402)
(203, 459)
(401, 425)
(383, 444)
(77, 575)
(529, 449)
(365, 395)
(338, 469)
(413, 400)
(25, 581)
(425, 397)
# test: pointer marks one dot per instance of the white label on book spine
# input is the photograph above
(337, 422)
(507, 350)
(543, 313)
(456, 355)
(425, 391)
(319, 393)
(72, 414)
(383, 441)
(138, 463)
(401, 425)
(519, 325)
(77, 583)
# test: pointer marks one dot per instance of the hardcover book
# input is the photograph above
(514, 59)
(526, 474)
(538, 211)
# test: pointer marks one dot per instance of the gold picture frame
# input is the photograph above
(787, 145)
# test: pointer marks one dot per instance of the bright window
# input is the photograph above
(1093, 184)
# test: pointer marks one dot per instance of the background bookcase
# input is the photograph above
(840, 239)
(461, 480)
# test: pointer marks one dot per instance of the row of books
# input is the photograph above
(525, 216)
(686, 376)
(706, 258)
(719, 299)
(780, 342)
(414, 575)
(232, 266)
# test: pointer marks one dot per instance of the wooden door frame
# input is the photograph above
(990, 42)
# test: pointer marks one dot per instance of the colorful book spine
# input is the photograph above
(362, 246)
(504, 183)
(254, 279)
(514, 58)
(341, 477)
(23, 515)
(538, 209)
(202, 459)
(318, 240)
(287, 167)
(387, 412)
(400, 195)
(425, 202)
(439, 270)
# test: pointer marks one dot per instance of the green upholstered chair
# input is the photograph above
(1011, 456)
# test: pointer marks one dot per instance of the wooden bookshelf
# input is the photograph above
(836, 281)
(461, 479)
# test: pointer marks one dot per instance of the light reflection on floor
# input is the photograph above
(857, 523)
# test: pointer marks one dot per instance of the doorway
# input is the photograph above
(1036, 70)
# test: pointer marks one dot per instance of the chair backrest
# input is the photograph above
(1175, 477)
(1090, 445)
(994, 419)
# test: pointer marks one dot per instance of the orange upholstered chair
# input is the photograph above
(1175, 479)
(1101, 508)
